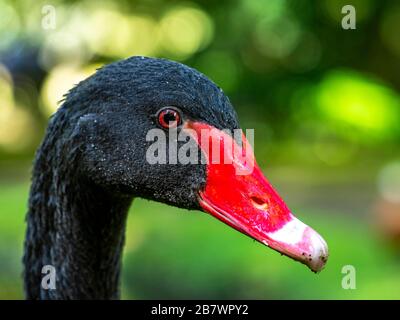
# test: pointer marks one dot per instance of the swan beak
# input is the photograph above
(238, 194)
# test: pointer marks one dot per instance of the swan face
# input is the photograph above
(136, 117)
(118, 127)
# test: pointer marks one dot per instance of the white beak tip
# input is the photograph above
(302, 243)
(318, 255)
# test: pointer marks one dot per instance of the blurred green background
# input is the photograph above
(324, 103)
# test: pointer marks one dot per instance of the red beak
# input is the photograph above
(238, 194)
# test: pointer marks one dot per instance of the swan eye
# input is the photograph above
(169, 118)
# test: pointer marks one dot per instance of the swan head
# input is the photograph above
(157, 129)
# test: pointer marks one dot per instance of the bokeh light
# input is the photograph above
(59, 82)
(355, 106)
(63, 47)
(185, 30)
(359, 102)
(114, 34)
(9, 24)
(389, 182)
(277, 38)
(268, 10)
(16, 124)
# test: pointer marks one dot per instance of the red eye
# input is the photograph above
(169, 118)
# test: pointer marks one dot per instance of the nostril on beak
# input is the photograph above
(259, 203)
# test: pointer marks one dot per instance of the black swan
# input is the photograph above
(92, 163)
